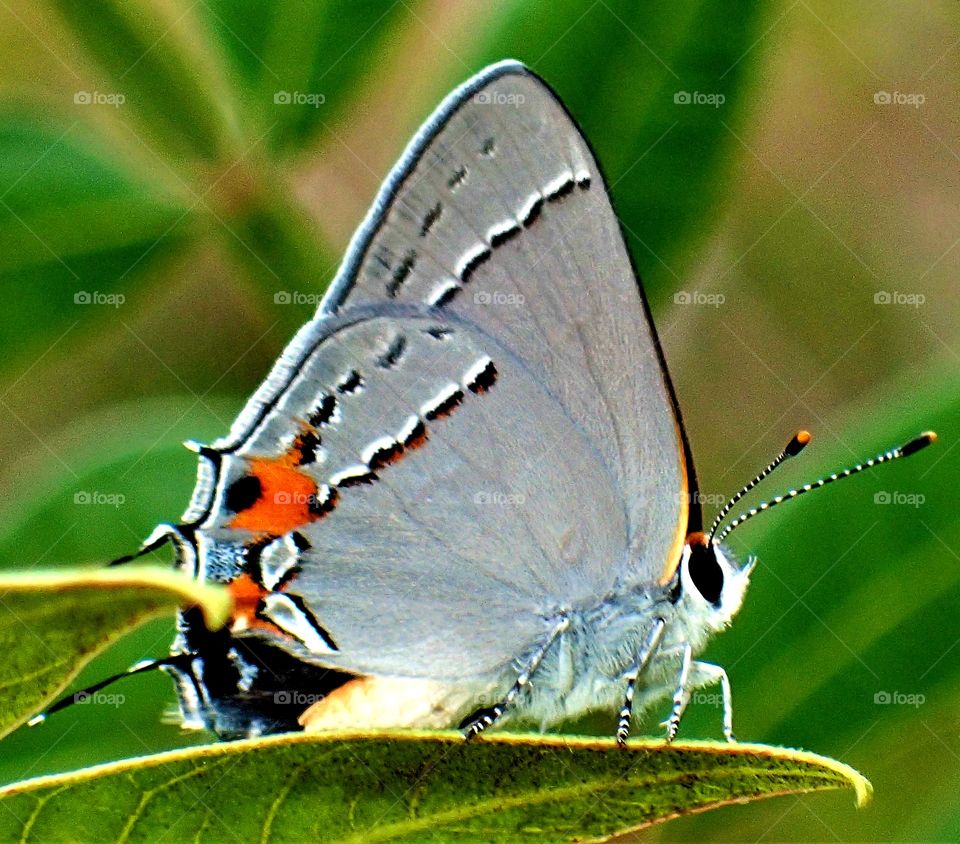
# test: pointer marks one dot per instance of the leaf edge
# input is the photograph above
(863, 789)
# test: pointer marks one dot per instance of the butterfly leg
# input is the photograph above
(707, 673)
(649, 645)
(483, 718)
(681, 697)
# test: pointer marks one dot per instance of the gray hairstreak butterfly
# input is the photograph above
(464, 493)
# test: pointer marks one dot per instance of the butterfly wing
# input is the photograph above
(498, 214)
(415, 503)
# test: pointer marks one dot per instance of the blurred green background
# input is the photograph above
(155, 199)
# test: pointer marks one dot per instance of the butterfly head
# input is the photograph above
(710, 581)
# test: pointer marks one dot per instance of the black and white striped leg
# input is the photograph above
(681, 697)
(650, 644)
(483, 718)
(706, 673)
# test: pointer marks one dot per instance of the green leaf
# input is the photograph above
(182, 117)
(52, 623)
(128, 471)
(156, 56)
(405, 786)
(73, 227)
(322, 48)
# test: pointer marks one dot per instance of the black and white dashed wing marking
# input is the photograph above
(498, 213)
(453, 499)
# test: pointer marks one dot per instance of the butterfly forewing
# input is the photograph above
(500, 215)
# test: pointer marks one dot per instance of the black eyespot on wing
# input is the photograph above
(705, 572)
(243, 493)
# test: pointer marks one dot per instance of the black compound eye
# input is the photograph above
(705, 572)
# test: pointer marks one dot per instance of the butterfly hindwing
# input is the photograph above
(416, 504)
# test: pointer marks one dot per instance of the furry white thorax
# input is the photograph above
(584, 670)
(586, 667)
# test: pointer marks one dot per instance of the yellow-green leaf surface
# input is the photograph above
(51, 623)
(407, 787)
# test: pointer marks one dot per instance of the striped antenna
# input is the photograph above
(83, 695)
(912, 447)
(793, 448)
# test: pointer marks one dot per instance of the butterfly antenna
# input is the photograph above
(792, 449)
(905, 450)
(84, 694)
(159, 538)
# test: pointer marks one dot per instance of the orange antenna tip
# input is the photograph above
(925, 439)
(798, 443)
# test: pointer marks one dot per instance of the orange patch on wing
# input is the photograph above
(286, 496)
(247, 594)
